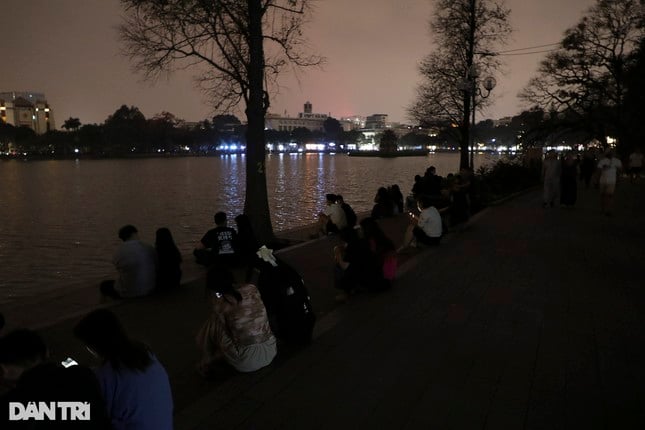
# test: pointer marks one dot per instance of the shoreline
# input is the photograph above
(80, 297)
(348, 153)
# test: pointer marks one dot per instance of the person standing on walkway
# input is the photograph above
(609, 168)
(569, 181)
(551, 179)
(587, 167)
(635, 164)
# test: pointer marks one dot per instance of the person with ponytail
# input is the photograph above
(135, 386)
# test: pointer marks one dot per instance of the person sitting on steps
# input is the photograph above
(332, 219)
(217, 244)
(136, 263)
(426, 228)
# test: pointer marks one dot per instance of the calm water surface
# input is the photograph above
(59, 219)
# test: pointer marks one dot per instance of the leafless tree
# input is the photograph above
(585, 77)
(238, 49)
(466, 35)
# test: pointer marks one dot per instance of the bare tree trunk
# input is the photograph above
(464, 161)
(256, 203)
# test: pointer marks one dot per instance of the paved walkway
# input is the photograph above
(529, 319)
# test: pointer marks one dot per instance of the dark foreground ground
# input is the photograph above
(529, 319)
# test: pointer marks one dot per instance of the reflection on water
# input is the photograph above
(59, 219)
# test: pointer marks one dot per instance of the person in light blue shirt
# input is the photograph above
(134, 384)
(135, 262)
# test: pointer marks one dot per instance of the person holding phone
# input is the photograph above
(31, 376)
(426, 228)
(238, 328)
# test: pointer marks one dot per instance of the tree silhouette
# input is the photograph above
(125, 131)
(466, 33)
(585, 79)
(238, 46)
(72, 124)
(388, 142)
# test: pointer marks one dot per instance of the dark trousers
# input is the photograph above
(423, 238)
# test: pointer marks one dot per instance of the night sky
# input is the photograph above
(68, 49)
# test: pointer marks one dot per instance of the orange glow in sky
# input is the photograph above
(68, 49)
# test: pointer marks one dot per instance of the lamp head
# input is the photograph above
(489, 83)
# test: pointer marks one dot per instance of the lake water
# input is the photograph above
(59, 219)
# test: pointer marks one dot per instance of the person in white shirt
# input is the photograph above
(551, 170)
(609, 167)
(426, 228)
(332, 219)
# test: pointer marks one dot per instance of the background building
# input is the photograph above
(377, 121)
(26, 109)
(306, 119)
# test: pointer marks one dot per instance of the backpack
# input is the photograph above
(287, 301)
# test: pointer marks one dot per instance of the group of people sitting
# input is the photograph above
(129, 389)
(337, 216)
(366, 259)
(256, 300)
(143, 268)
(254, 296)
(387, 202)
(450, 195)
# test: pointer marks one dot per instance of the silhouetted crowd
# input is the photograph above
(257, 301)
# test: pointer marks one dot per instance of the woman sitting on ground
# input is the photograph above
(168, 260)
(135, 386)
(246, 244)
(382, 247)
(238, 329)
(383, 206)
(396, 197)
(356, 266)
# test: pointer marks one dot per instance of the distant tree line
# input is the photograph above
(127, 132)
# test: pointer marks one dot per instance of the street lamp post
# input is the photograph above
(475, 90)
